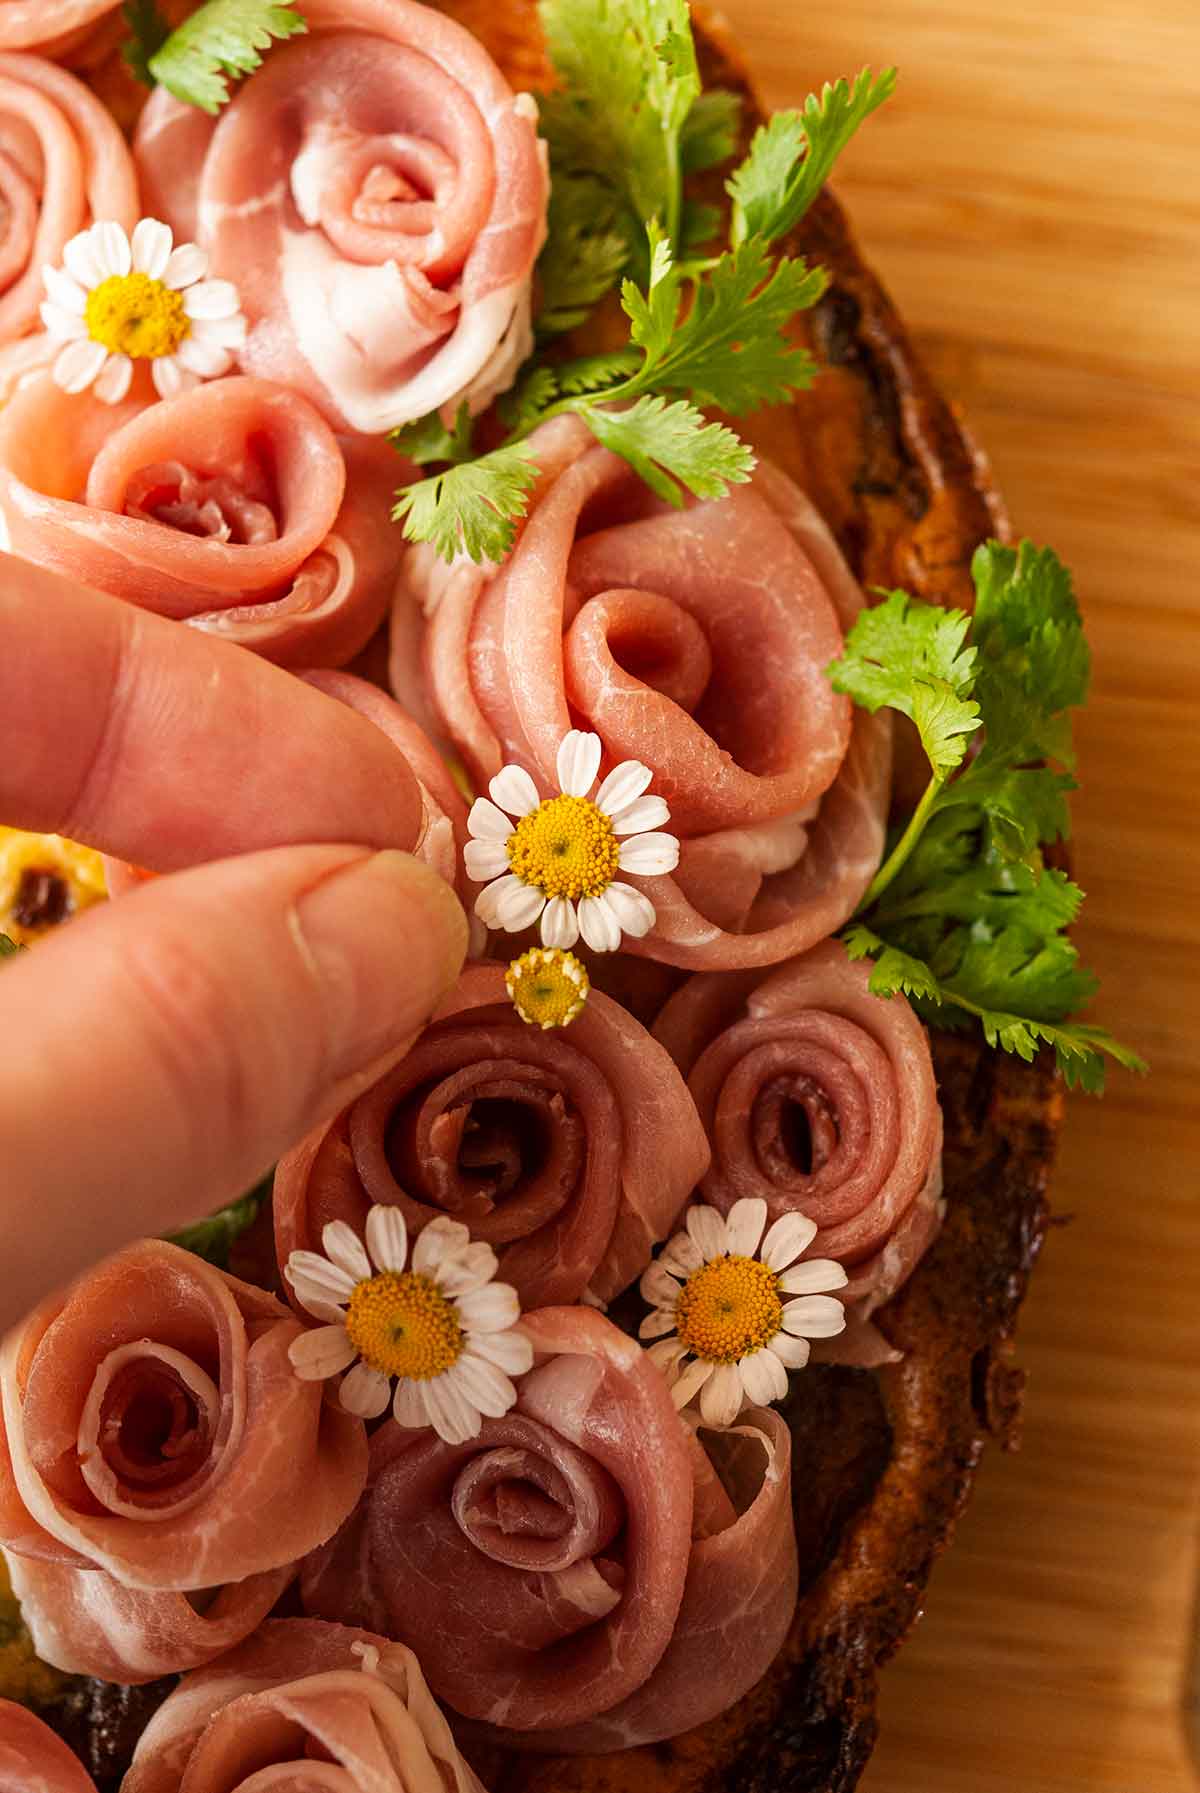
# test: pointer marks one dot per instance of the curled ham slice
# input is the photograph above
(154, 1428)
(63, 164)
(51, 26)
(33, 1759)
(695, 641)
(233, 507)
(303, 1707)
(599, 1580)
(820, 1098)
(379, 195)
(549, 1146)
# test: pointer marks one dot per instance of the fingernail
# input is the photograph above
(386, 938)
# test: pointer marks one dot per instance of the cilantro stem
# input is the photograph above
(903, 848)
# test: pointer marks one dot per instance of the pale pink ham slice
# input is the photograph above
(47, 25)
(820, 1098)
(85, 1623)
(302, 1707)
(233, 507)
(154, 1428)
(379, 195)
(63, 164)
(696, 641)
(549, 1146)
(598, 1583)
(33, 1759)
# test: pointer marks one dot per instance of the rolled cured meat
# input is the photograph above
(600, 1580)
(695, 641)
(548, 1146)
(820, 1098)
(307, 1707)
(233, 507)
(154, 1428)
(51, 26)
(379, 195)
(33, 1759)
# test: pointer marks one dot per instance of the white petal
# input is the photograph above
(78, 364)
(814, 1317)
(211, 299)
(763, 1377)
(514, 790)
(451, 1414)
(79, 259)
(491, 1309)
(691, 1381)
(786, 1239)
(722, 1397)
(63, 291)
(365, 1391)
(485, 1386)
(485, 859)
(657, 1324)
(517, 905)
(632, 908)
(225, 333)
(648, 812)
(114, 379)
(110, 249)
(469, 1270)
(486, 822)
(151, 246)
(666, 1356)
(408, 1405)
(62, 324)
(623, 786)
(792, 1353)
(658, 1286)
(814, 1277)
(325, 1351)
(511, 1351)
(744, 1225)
(200, 356)
(560, 926)
(387, 1237)
(599, 925)
(707, 1229)
(169, 378)
(488, 902)
(681, 1256)
(442, 1240)
(317, 1273)
(649, 855)
(344, 1248)
(185, 266)
(578, 762)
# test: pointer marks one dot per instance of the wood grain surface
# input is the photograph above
(1032, 199)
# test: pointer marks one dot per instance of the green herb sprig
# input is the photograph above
(223, 39)
(214, 1237)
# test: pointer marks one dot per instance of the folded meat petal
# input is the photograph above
(547, 1145)
(47, 25)
(379, 194)
(85, 1623)
(154, 1428)
(227, 507)
(33, 1759)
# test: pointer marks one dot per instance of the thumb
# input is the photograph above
(165, 1049)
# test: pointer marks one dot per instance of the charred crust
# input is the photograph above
(102, 1723)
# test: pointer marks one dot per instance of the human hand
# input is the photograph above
(163, 1050)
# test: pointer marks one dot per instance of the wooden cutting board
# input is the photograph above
(1032, 199)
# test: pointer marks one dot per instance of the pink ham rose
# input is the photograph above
(51, 26)
(154, 1429)
(695, 641)
(820, 1098)
(597, 1584)
(307, 1708)
(379, 194)
(547, 1145)
(33, 1759)
(233, 507)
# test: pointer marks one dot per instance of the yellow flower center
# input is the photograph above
(729, 1307)
(131, 314)
(547, 986)
(402, 1324)
(565, 848)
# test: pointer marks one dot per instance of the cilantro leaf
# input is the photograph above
(522, 406)
(473, 508)
(148, 32)
(910, 657)
(213, 1237)
(9, 948)
(710, 130)
(590, 374)
(427, 439)
(586, 251)
(225, 38)
(672, 444)
(791, 157)
(1034, 662)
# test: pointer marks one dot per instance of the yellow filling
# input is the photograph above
(728, 1308)
(30, 866)
(402, 1324)
(565, 848)
(547, 986)
(131, 314)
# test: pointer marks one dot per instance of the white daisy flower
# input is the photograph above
(734, 1311)
(437, 1325)
(560, 860)
(119, 299)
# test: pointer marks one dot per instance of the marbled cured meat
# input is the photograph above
(51, 26)
(819, 1097)
(549, 1146)
(33, 1759)
(598, 1583)
(379, 195)
(695, 641)
(154, 1428)
(233, 507)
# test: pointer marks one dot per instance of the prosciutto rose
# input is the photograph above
(33, 1759)
(379, 195)
(597, 1584)
(233, 507)
(302, 1706)
(548, 1146)
(154, 1428)
(820, 1098)
(51, 26)
(695, 641)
